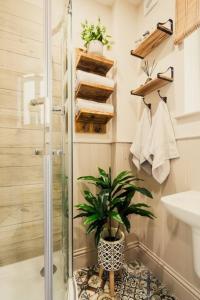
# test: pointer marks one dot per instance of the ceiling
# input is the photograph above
(110, 2)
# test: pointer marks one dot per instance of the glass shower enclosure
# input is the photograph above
(35, 149)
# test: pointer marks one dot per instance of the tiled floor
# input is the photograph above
(135, 282)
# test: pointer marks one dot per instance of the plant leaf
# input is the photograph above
(127, 223)
(85, 207)
(91, 219)
(132, 209)
(81, 215)
(116, 216)
(89, 197)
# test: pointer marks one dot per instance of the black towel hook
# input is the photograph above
(161, 97)
(147, 104)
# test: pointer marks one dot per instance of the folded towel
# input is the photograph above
(161, 144)
(93, 106)
(93, 78)
(138, 145)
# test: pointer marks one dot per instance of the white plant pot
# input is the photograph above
(95, 47)
(111, 254)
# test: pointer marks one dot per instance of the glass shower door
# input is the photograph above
(59, 153)
(21, 145)
(33, 153)
(61, 158)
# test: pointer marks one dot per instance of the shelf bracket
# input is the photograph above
(159, 75)
(169, 31)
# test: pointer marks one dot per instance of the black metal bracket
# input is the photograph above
(159, 75)
(169, 31)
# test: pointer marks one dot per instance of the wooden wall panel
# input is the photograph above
(12, 81)
(10, 137)
(87, 158)
(16, 119)
(25, 194)
(23, 10)
(20, 26)
(21, 132)
(23, 46)
(26, 249)
(25, 64)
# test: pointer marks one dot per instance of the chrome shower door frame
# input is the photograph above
(48, 202)
(48, 180)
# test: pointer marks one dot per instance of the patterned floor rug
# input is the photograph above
(134, 282)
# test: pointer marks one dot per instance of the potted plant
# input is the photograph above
(112, 205)
(95, 37)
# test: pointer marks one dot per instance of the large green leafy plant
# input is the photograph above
(93, 32)
(113, 202)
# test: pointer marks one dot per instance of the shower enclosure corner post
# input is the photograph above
(70, 141)
(48, 205)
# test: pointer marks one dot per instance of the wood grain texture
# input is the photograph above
(21, 132)
(27, 118)
(152, 41)
(151, 86)
(88, 121)
(26, 249)
(93, 91)
(27, 47)
(89, 127)
(26, 64)
(86, 115)
(93, 63)
(87, 158)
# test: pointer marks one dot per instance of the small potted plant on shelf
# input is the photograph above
(107, 213)
(95, 37)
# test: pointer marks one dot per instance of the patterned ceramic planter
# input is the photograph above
(111, 254)
(95, 47)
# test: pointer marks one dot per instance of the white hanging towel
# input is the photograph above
(138, 145)
(161, 145)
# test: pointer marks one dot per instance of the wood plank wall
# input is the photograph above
(21, 131)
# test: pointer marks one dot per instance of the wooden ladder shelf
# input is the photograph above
(91, 121)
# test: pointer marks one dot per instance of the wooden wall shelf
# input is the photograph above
(154, 39)
(154, 84)
(94, 92)
(93, 63)
(88, 121)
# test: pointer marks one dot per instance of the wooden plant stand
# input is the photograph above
(111, 280)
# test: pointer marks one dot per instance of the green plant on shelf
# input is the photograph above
(98, 32)
(113, 202)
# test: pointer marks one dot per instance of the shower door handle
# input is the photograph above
(37, 101)
(58, 152)
(38, 152)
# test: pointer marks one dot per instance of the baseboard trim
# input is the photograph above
(183, 289)
(84, 257)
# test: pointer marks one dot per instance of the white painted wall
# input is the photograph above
(124, 17)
